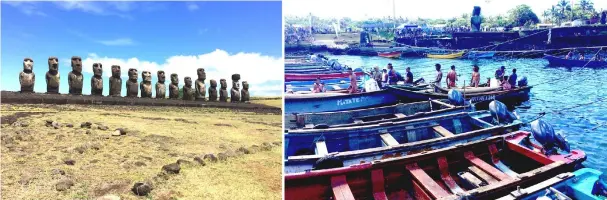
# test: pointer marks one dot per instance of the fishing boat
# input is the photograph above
(559, 61)
(325, 81)
(481, 169)
(360, 117)
(469, 89)
(517, 94)
(326, 102)
(584, 183)
(446, 56)
(306, 149)
(393, 54)
(479, 54)
(308, 77)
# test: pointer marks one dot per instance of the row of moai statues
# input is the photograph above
(27, 79)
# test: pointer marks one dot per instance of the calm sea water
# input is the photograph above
(585, 127)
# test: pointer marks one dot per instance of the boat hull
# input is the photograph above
(576, 185)
(558, 61)
(446, 56)
(303, 104)
(515, 95)
(389, 54)
(309, 77)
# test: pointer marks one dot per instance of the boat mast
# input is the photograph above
(394, 16)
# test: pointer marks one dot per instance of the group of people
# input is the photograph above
(319, 86)
(390, 76)
(507, 82)
(597, 57)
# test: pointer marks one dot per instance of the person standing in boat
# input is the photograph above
(499, 74)
(569, 55)
(392, 77)
(439, 77)
(353, 88)
(318, 86)
(377, 76)
(476, 77)
(582, 56)
(409, 76)
(384, 78)
(451, 78)
(512, 78)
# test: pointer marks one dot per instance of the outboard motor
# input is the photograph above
(600, 186)
(456, 97)
(545, 135)
(522, 82)
(500, 113)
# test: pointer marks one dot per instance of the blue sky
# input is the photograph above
(177, 37)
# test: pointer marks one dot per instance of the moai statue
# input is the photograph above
(235, 91)
(131, 85)
(161, 88)
(174, 87)
(201, 91)
(188, 91)
(97, 80)
(74, 78)
(115, 81)
(244, 93)
(27, 78)
(52, 76)
(223, 91)
(213, 90)
(146, 84)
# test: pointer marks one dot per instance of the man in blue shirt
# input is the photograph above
(499, 74)
(409, 76)
(512, 78)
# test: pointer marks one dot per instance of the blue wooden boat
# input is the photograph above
(479, 54)
(581, 184)
(481, 169)
(326, 102)
(325, 81)
(518, 94)
(367, 116)
(328, 87)
(559, 61)
(312, 71)
(354, 145)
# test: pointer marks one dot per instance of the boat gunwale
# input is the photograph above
(303, 97)
(497, 93)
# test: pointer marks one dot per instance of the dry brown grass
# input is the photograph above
(156, 136)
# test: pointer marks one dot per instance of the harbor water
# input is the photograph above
(566, 95)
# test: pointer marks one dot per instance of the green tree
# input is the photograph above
(522, 14)
(587, 8)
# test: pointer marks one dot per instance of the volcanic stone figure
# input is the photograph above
(475, 20)
(188, 91)
(52, 76)
(244, 93)
(213, 90)
(74, 78)
(201, 91)
(27, 78)
(174, 87)
(131, 85)
(97, 80)
(223, 91)
(235, 91)
(146, 84)
(161, 88)
(115, 81)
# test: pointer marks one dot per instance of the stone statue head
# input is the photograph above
(161, 76)
(174, 79)
(213, 83)
(77, 64)
(188, 81)
(116, 71)
(53, 64)
(97, 69)
(146, 76)
(223, 83)
(201, 74)
(133, 74)
(245, 85)
(28, 64)
(236, 85)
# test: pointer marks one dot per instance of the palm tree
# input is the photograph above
(586, 5)
(546, 14)
(563, 6)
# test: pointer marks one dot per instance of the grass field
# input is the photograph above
(34, 155)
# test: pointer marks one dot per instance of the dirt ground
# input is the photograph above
(43, 157)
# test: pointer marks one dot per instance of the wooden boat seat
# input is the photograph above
(443, 166)
(471, 179)
(498, 163)
(321, 148)
(426, 181)
(442, 131)
(341, 189)
(400, 115)
(379, 192)
(483, 175)
(486, 167)
(388, 139)
(443, 104)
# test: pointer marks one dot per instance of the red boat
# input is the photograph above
(394, 54)
(483, 169)
(311, 77)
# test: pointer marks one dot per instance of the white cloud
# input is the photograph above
(254, 68)
(99, 8)
(117, 42)
(26, 7)
(192, 6)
